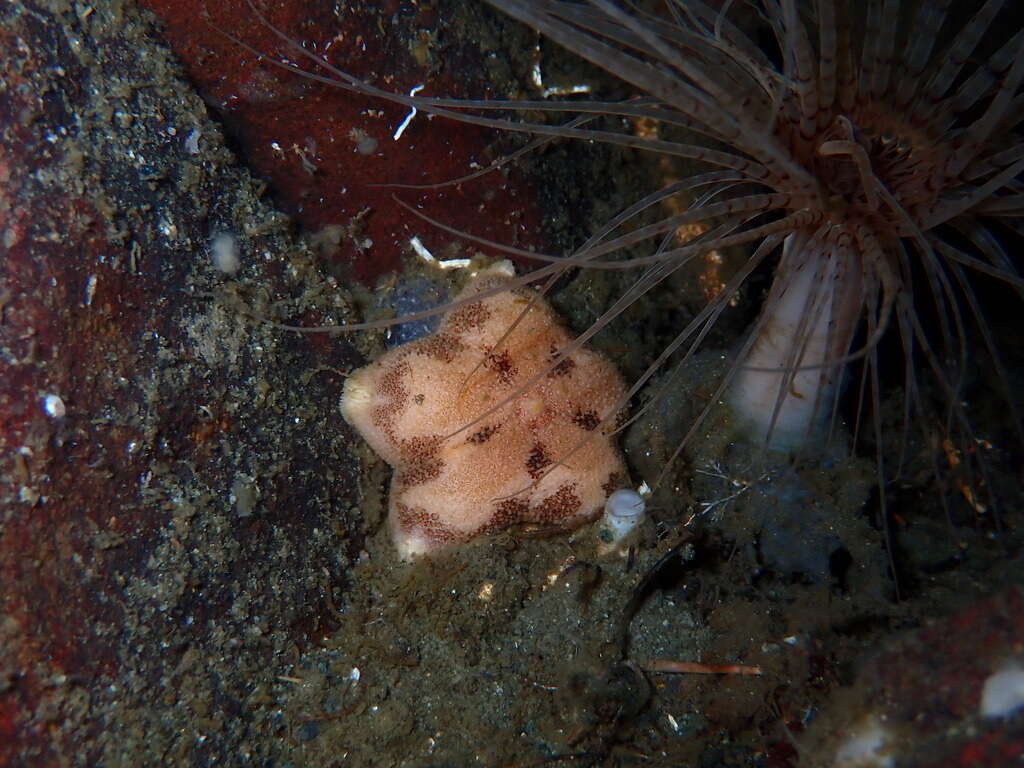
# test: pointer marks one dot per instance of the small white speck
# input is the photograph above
(672, 722)
(192, 141)
(354, 675)
(54, 406)
(168, 229)
(90, 289)
(1003, 692)
(224, 252)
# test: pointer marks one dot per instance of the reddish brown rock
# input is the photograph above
(326, 152)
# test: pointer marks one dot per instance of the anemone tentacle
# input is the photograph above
(878, 143)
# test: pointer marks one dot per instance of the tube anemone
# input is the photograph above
(873, 161)
(811, 316)
(876, 144)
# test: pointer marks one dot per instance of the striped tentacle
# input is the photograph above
(751, 135)
(828, 43)
(683, 95)
(980, 130)
(984, 78)
(884, 51)
(952, 62)
(846, 68)
(803, 74)
(733, 43)
(869, 63)
(735, 71)
(928, 21)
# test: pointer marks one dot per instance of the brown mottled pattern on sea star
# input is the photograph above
(502, 365)
(506, 513)
(563, 503)
(537, 461)
(587, 420)
(441, 346)
(483, 434)
(564, 367)
(391, 386)
(422, 462)
(469, 317)
(410, 518)
(394, 394)
(615, 481)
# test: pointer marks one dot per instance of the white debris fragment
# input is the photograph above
(244, 495)
(1003, 692)
(408, 118)
(364, 143)
(224, 252)
(569, 90)
(54, 406)
(623, 513)
(192, 141)
(623, 510)
(867, 746)
(90, 290)
(424, 253)
(421, 250)
(548, 91)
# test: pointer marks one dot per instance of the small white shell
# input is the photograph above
(224, 253)
(1003, 692)
(54, 407)
(623, 512)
